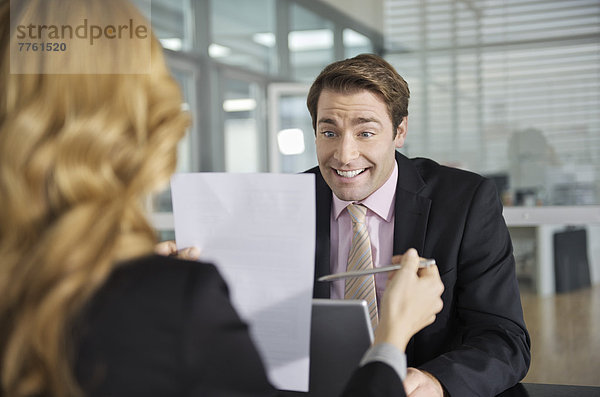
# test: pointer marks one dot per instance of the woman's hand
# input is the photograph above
(169, 248)
(411, 300)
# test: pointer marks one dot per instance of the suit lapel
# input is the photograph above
(411, 216)
(411, 208)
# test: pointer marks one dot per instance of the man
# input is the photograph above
(478, 345)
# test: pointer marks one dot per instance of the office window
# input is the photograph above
(356, 43)
(245, 134)
(185, 156)
(310, 43)
(225, 53)
(161, 202)
(171, 22)
(509, 88)
(292, 136)
(243, 34)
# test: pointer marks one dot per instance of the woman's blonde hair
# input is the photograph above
(78, 153)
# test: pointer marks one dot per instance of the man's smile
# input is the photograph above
(350, 173)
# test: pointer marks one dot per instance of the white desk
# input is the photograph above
(546, 221)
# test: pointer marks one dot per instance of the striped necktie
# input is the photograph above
(360, 258)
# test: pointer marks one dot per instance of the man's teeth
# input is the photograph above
(349, 174)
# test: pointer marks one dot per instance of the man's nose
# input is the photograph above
(347, 149)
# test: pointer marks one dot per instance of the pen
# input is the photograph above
(365, 272)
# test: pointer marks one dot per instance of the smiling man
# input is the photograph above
(478, 345)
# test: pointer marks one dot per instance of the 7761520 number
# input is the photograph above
(24, 46)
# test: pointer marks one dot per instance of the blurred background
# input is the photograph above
(506, 88)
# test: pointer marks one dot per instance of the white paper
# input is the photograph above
(259, 230)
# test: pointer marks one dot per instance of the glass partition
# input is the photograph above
(356, 43)
(161, 202)
(291, 136)
(244, 131)
(243, 34)
(171, 22)
(310, 43)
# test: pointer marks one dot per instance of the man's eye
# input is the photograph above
(328, 134)
(366, 134)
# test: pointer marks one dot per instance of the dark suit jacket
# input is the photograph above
(166, 327)
(478, 344)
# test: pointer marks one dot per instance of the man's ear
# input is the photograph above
(401, 131)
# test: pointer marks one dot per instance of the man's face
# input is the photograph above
(355, 142)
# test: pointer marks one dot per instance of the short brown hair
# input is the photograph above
(363, 72)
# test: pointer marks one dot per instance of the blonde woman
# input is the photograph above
(86, 308)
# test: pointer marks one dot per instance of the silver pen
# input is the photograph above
(365, 272)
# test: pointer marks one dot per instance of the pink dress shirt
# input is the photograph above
(380, 224)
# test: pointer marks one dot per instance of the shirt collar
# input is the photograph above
(381, 201)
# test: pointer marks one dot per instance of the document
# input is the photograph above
(259, 230)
